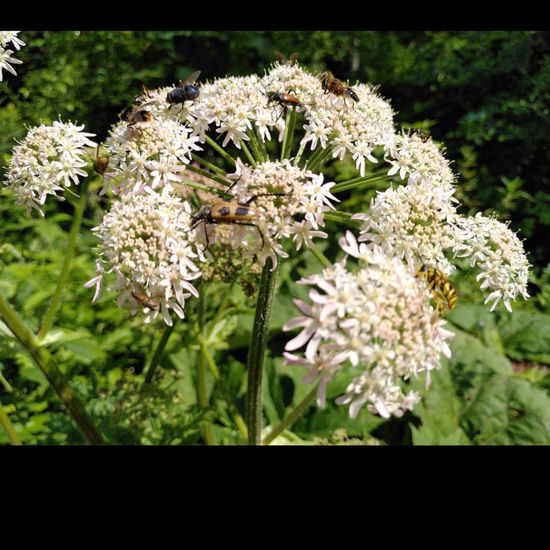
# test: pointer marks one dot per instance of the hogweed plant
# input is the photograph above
(235, 181)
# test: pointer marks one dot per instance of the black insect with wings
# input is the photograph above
(185, 91)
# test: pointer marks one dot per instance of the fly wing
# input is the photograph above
(190, 79)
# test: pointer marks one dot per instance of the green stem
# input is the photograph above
(239, 421)
(262, 144)
(321, 159)
(343, 218)
(289, 133)
(157, 356)
(8, 427)
(45, 362)
(6, 384)
(62, 279)
(361, 178)
(292, 416)
(344, 186)
(316, 154)
(207, 164)
(325, 262)
(258, 153)
(248, 154)
(256, 352)
(213, 177)
(300, 153)
(201, 376)
(221, 151)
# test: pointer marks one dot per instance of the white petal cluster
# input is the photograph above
(298, 193)
(415, 222)
(412, 156)
(6, 61)
(379, 320)
(48, 160)
(147, 245)
(498, 254)
(148, 155)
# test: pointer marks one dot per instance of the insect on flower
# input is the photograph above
(283, 59)
(444, 293)
(144, 299)
(337, 87)
(185, 91)
(230, 211)
(101, 163)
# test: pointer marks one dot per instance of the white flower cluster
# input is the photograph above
(235, 105)
(146, 243)
(6, 61)
(378, 319)
(276, 192)
(499, 255)
(147, 155)
(415, 222)
(48, 160)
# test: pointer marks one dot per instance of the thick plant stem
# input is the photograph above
(300, 408)
(8, 427)
(257, 351)
(219, 150)
(233, 409)
(62, 279)
(157, 356)
(299, 154)
(45, 362)
(202, 393)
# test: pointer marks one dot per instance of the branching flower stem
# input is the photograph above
(45, 362)
(208, 165)
(256, 352)
(209, 175)
(289, 133)
(221, 151)
(363, 182)
(291, 417)
(248, 154)
(62, 279)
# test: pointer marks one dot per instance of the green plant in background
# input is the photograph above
(188, 384)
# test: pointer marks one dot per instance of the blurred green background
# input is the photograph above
(484, 95)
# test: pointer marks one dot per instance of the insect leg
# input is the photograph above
(259, 231)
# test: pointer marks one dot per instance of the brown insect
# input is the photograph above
(133, 115)
(100, 163)
(337, 87)
(146, 300)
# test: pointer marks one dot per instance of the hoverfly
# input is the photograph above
(145, 300)
(185, 91)
(337, 87)
(443, 290)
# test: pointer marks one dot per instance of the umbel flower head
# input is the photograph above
(277, 193)
(145, 243)
(150, 154)
(6, 61)
(48, 160)
(376, 319)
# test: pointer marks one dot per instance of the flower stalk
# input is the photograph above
(46, 363)
(8, 427)
(47, 323)
(157, 355)
(256, 352)
(291, 417)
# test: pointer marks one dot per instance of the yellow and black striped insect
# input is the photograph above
(444, 293)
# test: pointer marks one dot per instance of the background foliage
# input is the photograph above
(485, 95)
